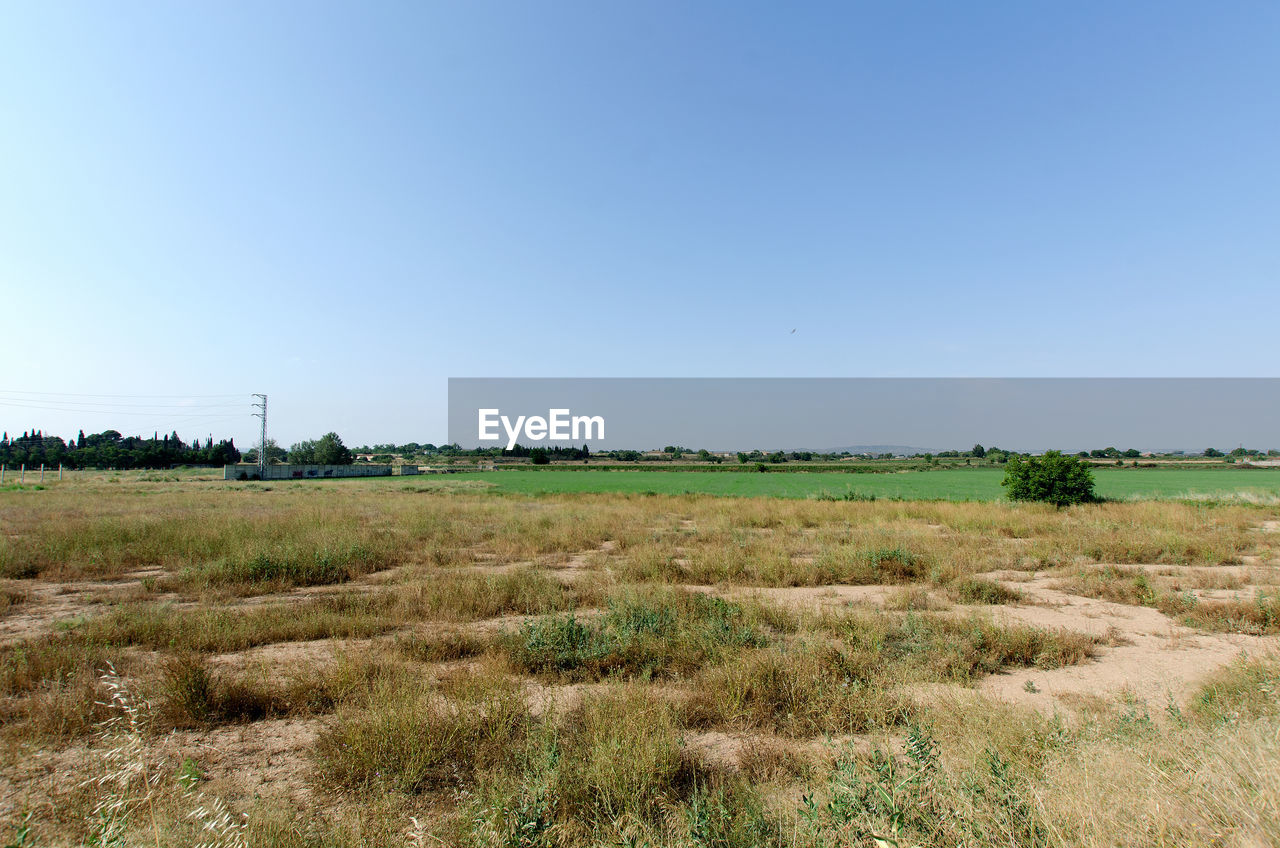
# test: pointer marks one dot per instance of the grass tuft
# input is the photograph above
(652, 634)
(976, 590)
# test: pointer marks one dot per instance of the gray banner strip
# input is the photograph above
(855, 414)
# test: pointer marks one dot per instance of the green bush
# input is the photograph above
(658, 634)
(976, 590)
(1052, 478)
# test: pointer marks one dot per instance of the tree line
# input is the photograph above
(326, 450)
(110, 449)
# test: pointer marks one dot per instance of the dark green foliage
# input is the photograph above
(109, 449)
(544, 455)
(849, 495)
(1052, 478)
(326, 450)
(275, 453)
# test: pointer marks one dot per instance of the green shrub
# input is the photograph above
(614, 771)
(658, 633)
(886, 800)
(976, 590)
(1052, 478)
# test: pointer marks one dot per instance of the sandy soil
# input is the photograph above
(1155, 658)
(1148, 656)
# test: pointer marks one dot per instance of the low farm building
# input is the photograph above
(304, 472)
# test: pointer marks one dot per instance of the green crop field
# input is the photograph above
(980, 484)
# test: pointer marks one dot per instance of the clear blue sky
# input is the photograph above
(342, 205)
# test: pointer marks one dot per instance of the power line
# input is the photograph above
(152, 413)
(58, 404)
(9, 391)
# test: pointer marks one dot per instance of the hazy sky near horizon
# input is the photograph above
(343, 205)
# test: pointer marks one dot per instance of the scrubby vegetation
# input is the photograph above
(365, 665)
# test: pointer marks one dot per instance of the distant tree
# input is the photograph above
(326, 450)
(538, 456)
(979, 451)
(275, 453)
(1132, 453)
(330, 450)
(111, 450)
(303, 453)
(1213, 452)
(1052, 478)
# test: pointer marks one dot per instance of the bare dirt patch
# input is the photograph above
(805, 598)
(290, 657)
(243, 761)
(564, 568)
(47, 605)
(1152, 657)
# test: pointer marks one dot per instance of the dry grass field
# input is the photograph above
(187, 661)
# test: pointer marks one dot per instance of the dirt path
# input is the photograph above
(48, 604)
(1150, 656)
(801, 598)
(564, 569)
(1155, 659)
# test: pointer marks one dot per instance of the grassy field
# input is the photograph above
(977, 484)
(418, 662)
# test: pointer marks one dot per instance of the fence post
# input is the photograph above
(42, 472)
(1, 472)
(24, 473)
(59, 472)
